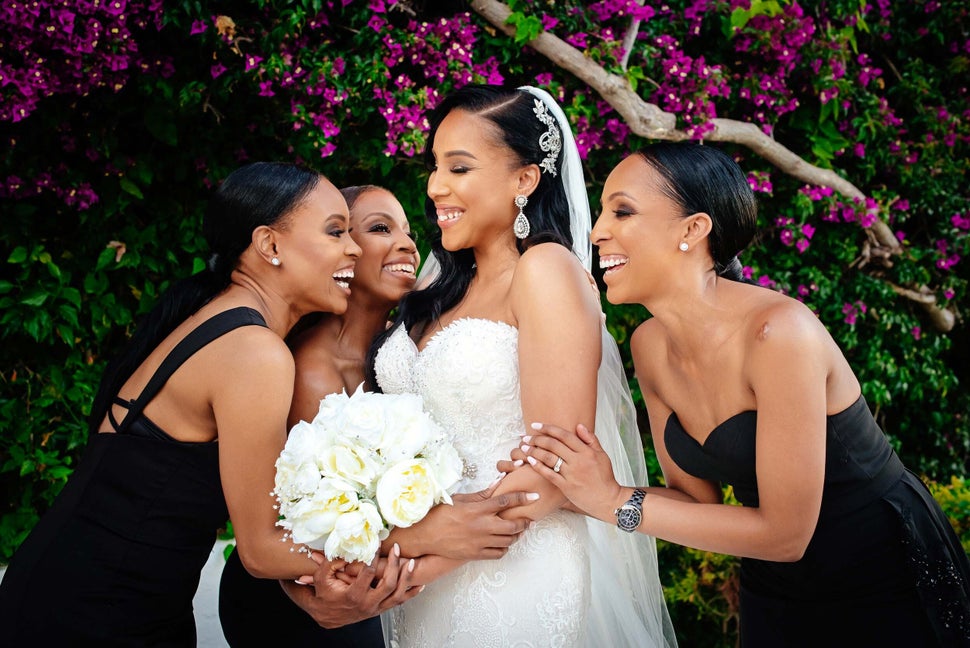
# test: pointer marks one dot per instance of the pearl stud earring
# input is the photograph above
(275, 261)
(683, 246)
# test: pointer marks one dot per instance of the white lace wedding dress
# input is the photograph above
(543, 592)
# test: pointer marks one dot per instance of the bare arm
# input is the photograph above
(469, 529)
(787, 370)
(558, 317)
(251, 421)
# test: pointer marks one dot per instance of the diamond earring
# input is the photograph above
(521, 225)
(683, 246)
(275, 261)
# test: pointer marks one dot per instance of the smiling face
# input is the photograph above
(637, 233)
(389, 258)
(317, 253)
(473, 184)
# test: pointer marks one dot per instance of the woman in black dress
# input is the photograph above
(840, 545)
(185, 431)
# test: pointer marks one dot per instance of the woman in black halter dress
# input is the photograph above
(185, 431)
(840, 544)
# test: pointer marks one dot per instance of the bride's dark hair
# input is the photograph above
(512, 113)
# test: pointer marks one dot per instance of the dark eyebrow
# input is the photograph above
(459, 152)
(618, 194)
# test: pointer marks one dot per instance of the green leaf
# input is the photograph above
(105, 259)
(34, 297)
(526, 27)
(130, 187)
(19, 255)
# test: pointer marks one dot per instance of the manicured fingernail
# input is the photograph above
(397, 550)
(524, 448)
(531, 460)
(299, 582)
(532, 496)
(536, 426)
(517, 463)
(411, 565)
(421, 589)
(527, 438)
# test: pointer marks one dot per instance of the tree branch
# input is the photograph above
(650, 121)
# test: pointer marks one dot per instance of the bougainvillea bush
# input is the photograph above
(118, 118)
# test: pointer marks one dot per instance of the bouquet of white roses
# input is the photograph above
(364, 464)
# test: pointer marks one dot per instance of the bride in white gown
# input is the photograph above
(509, 332)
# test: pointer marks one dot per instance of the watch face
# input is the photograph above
(628, 517)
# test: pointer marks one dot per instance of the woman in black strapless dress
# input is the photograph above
(840, 544)
(185, 432)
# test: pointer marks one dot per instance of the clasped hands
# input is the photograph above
(339, 593)
(585, 472)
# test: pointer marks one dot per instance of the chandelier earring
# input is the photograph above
(521, 225)
(683, 246)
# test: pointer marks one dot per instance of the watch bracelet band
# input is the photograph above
(636, 499)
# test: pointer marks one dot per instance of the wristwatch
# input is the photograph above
(629, 515)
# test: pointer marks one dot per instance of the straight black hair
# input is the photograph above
(702, 178)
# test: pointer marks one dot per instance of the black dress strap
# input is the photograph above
(214, 327)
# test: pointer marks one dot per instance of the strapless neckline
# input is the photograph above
(673, 418)
(453, 324)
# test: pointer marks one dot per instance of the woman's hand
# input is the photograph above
(333, 602)
(585, 474)
(516, 460)
(468, 529)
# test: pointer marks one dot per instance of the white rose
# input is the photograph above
(310, 519)
(296, 481)
(446, 467)
(304, 442)
(410, 428)
(357, 534)
(406, 492)
(364, 419)
(331, 412)
(358, 464)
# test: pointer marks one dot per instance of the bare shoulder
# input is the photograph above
(780, 324)
(550, 267)
(550, 279)
(250, 349)
(647, 347)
